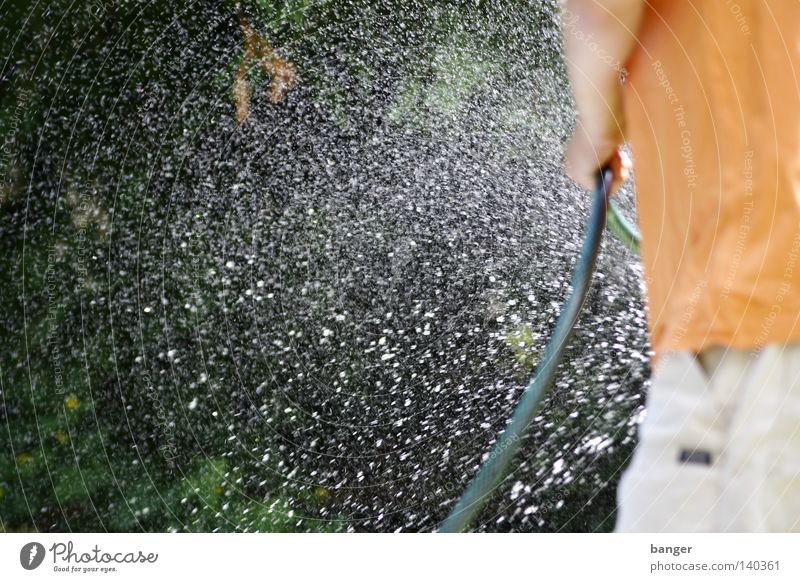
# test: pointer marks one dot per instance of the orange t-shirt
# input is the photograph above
(712, 103)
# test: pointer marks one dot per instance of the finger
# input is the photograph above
(620, 164)
(582, 161)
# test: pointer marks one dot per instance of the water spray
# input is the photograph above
(603, 213)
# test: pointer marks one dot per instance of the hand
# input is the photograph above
(585, 156)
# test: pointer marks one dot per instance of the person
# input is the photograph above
(707, 95)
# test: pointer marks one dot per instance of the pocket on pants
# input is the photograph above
(672, 484)
(671, 497)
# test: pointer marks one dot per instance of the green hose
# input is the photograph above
(623, 229)
(494, 469)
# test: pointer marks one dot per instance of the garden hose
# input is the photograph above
(622, 228)
(494, 468)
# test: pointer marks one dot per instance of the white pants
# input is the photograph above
(719, 449)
